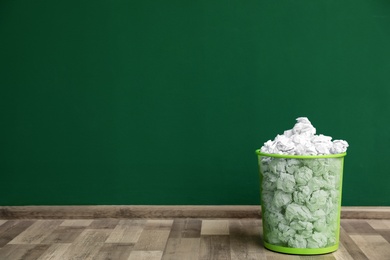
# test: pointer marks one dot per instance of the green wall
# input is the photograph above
(148, 102)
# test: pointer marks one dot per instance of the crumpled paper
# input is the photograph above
(301, 208)
(303, 175)
(282, 198)
(317, 240)
(297, 212)
(298, 241)
(286, 182)
(302, 140)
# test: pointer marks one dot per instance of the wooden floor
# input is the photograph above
(182, 239)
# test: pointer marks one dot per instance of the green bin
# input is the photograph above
(301, 202)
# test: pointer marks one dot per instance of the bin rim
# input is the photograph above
(290, 156)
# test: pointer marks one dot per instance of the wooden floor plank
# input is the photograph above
(248, 256)
(277, 256)
(35, 252)
(385, 233)
(353, 249)
(177, 228)
(357, 226)
(55, 252)
(89, 251)
(145, 255)
(109, 223)
(152, 240)
(317, 257)
(37, 232)
(187, 228)
(63, 234)
(9, 224)
(342, 253)
(192, 228)
(245, 240)
(87, 244)
(93, 236)
(11, 229)
(24, 251)
(214, 247)
(2, 221)
(125, 232)
(378, 224)
(182, 248)
(387, 222)
(14, 251)
(158, 224)
(76, 222)
(373, 246)
(114, 251)
(215, 227)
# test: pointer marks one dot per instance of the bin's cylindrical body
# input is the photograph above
(301, 202)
